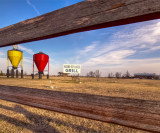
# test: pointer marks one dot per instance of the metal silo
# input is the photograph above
(15, 56)
(41, 60)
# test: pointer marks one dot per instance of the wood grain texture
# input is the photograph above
(83, 16)
(133, 113)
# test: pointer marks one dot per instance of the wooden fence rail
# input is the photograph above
(133, 113)
(83, 16)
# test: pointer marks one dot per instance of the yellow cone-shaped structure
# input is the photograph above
(15, 56)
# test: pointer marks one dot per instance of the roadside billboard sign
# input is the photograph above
(72, 68)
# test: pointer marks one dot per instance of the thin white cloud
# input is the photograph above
(27, 60)
(114, 57)
(33, 6)
(88, 48)
(155, 48)
(29, 51)
(146, 36)
(115, 53)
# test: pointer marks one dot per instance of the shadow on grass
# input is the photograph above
(38, 123)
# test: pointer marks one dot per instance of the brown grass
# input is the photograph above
(19, 118)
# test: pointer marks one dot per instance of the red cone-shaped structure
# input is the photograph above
(41, 61)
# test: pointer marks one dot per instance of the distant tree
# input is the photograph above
(118, 75)
(127, 74)
(110, 75)
(59, 73)
(91, 74)
(97, 74)
(1, 74)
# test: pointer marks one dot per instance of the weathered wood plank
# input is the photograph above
(83, 16)
(133, 113)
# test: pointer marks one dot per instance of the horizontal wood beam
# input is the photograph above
(133, 113)
(83, 16)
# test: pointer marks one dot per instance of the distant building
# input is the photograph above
(145, 75)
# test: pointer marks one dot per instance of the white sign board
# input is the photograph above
(71, 68)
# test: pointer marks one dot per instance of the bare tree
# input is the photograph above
(97, 74)
(110, 75)
(91, 74)
(1, 74)
(127, 74)
(118, 75)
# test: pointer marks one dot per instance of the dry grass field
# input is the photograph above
(16, 118)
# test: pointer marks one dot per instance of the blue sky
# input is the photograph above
(133, 47)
